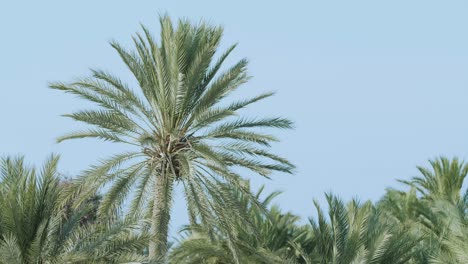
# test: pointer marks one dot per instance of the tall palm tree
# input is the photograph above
(178, 125)
(35, 227)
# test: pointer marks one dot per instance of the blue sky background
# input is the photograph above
(374, 87)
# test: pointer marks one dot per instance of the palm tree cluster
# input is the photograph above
(423, 224)
(180, 128)
(36, 226)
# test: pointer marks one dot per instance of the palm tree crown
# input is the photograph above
(444, 180)
(355, 233)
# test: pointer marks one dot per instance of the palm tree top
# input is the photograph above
(178, 105)
(443, 180)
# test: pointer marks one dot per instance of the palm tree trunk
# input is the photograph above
(161, 214)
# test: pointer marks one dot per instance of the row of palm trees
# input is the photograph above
(180, 128)
(425, 223)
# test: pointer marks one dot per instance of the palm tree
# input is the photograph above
(419, 217)
(449, 224)
(35, 227)
(400, 207)
(178, 126)
(355, 233)
(268, 240)
(444, 180)
(433, 210)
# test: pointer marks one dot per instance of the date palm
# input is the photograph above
(355, 233)
(177, 125)
(268, 241)
(407, 211)
(444, 180)
(454, 241)
(435, 209)
(35, 227)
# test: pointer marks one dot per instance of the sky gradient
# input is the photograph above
(374, 87)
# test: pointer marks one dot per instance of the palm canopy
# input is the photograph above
(35, 227)
(434, 209)
(179, 125)
(453, 240)
(267, 241)
(444, 180)
(355, 233)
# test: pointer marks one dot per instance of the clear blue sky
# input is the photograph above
(374, 87)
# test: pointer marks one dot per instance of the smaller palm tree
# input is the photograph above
(264, 236)
(450, 226)
(444, 180)
(407, 211)
(35, 226)
(431, 210)
(355, 233)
